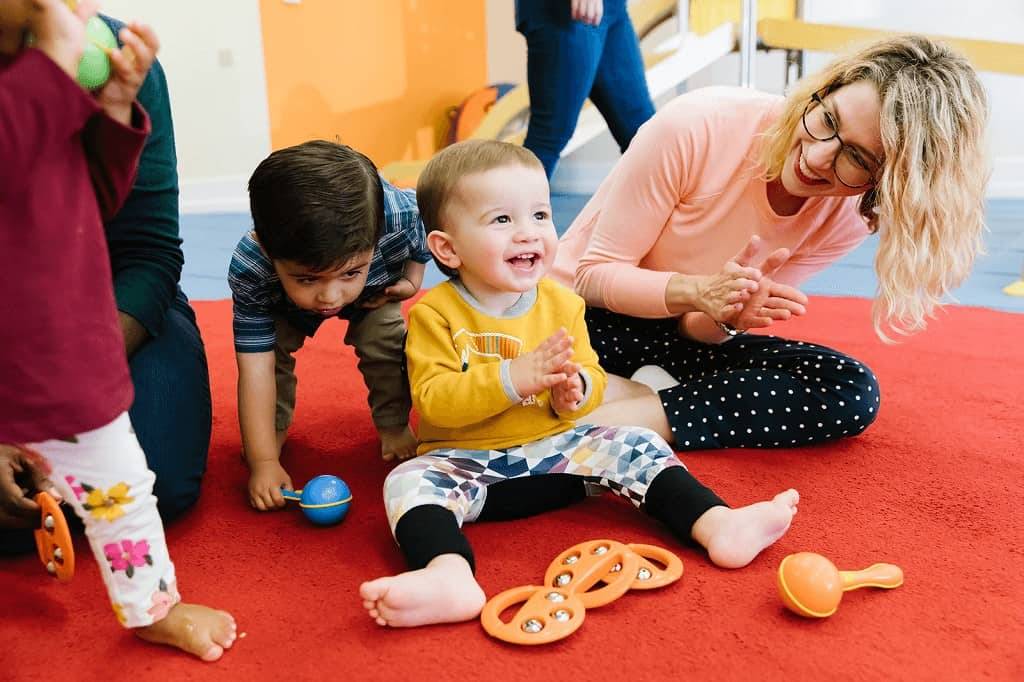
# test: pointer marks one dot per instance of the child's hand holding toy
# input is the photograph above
(58, 30)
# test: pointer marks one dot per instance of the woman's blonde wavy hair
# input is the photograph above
(928, 203)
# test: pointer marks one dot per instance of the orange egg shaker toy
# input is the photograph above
(587, 575)
(53, 539)
(811, 586)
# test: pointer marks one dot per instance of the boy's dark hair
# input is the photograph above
(443, 172)
(318, 203)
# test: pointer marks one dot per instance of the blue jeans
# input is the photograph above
(171, 416)
(568, 61)
(172, 409)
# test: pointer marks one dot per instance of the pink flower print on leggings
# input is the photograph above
(75, 487)
(127, 556)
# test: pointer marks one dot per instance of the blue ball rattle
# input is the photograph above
(324, 500)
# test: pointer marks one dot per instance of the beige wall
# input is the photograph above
(506, 49)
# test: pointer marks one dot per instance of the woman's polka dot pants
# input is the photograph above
(753, 391)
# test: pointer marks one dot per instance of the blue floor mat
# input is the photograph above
(210, 238)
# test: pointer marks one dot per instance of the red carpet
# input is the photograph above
(934, 486)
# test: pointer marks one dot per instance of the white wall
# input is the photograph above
(212, 53)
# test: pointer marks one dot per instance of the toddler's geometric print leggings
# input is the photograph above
(429, 497)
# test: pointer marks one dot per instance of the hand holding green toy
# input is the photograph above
(129, 66)
(58, 30)
(82, 44)
(94, 67)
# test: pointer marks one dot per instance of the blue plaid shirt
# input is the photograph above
(258, 296)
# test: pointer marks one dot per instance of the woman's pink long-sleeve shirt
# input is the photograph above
(685, 197)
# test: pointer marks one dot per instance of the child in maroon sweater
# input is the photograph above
(68, 161)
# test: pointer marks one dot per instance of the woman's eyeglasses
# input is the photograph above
(853, 167)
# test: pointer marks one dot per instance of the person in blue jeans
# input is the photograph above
(171, 413)
(577, 49)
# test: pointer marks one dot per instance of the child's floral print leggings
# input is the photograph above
(103, 475)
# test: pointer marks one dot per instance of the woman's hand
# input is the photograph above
(129, 66)
(724, 295)
(772, 302)
(587, 11)
(23, 473)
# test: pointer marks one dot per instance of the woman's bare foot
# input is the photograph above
(397, 441)
(198, 630)
(443, 592)
(733, 537)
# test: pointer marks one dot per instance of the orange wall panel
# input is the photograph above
(380, 75)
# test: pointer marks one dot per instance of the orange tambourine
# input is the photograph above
(599, 571)
(53, 539)
(546, 615)
(658, 567)
(586, 575)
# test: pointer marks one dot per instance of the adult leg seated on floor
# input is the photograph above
(753, 391)
(171, 414)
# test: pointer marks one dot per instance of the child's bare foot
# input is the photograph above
(397, 441)
(443, 592)
(198, 630)
(733, 537)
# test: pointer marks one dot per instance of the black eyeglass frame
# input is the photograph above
(816, 100)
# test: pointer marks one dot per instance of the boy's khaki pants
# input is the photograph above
(378, 338)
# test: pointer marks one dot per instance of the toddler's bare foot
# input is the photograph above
(733, 537)
(198, 630)
(397, 441)
(443, 592)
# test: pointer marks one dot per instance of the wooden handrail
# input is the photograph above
(793, 34)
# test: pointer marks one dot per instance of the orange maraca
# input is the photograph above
(810, 585)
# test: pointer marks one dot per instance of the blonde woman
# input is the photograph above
(887, 140)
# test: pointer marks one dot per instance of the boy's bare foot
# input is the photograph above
(397, 442)
(443, 592)
(733, 537)
(198, 630)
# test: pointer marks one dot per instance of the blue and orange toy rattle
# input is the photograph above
(324, 500)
